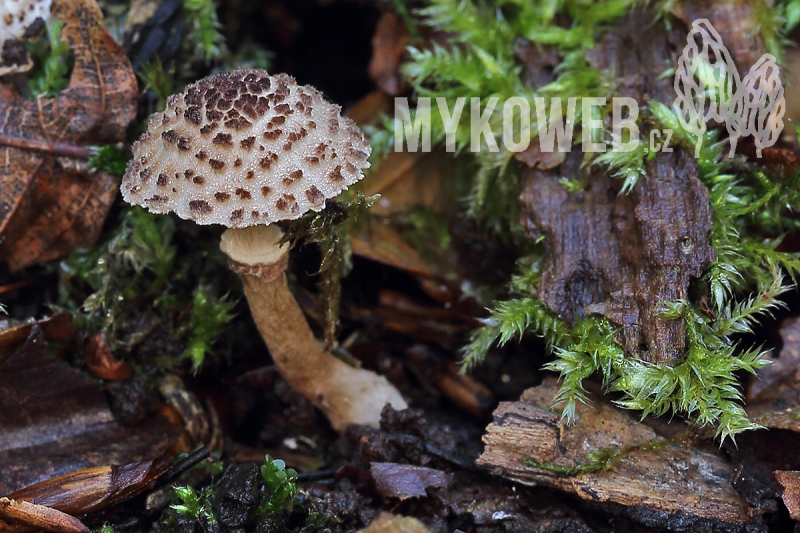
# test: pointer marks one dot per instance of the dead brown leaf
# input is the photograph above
(405, 481)
(86, 491)
(48, 205)
(388, 45)
(101, 361)
(56, 329)
(56, 420)
(405, 181)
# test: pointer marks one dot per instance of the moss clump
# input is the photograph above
(325, 228)
(131, 288)
(743, 283)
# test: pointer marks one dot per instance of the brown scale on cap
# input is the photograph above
(223, 138)
(208, 135)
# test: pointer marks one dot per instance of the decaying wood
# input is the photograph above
(23, 512)
(655, 486)
(733, 20)
(621, 255)
(773, 397)
(791, 491)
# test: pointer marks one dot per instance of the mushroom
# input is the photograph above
(20, 20)
(246, 149)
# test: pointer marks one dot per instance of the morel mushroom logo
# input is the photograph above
(709, 88)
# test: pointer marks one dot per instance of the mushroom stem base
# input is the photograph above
(346, 395)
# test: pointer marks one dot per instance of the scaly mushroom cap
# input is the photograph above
(16, 16)
(19, 19)
(243, 148)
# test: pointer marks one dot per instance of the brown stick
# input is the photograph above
(39, 516)
(54, 148)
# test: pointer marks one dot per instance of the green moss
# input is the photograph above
(193, 505)
(160, 79)
(109, 158)
(204, 40)
(482, 64)
(131, 287)
(791, 11)
(598, 460)
(50, 56)
(742, 284)
(208, 316)
(326, 229)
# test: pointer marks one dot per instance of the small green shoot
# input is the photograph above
(207, 318)
(281, 483)
(326, 229)
(193, 505)
(204, 40)
(109, 158)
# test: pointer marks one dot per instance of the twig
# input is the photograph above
(54, 148)
(184, 465)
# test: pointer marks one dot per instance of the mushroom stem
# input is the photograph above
(346, 395)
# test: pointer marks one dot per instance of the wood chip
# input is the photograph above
(656, 486)
(791, 491)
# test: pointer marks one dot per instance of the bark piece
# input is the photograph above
(791, 491)
(658, 487)
(733, 20)
(22, 512)
(616, 255)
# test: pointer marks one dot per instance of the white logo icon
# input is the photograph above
(709, 87)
